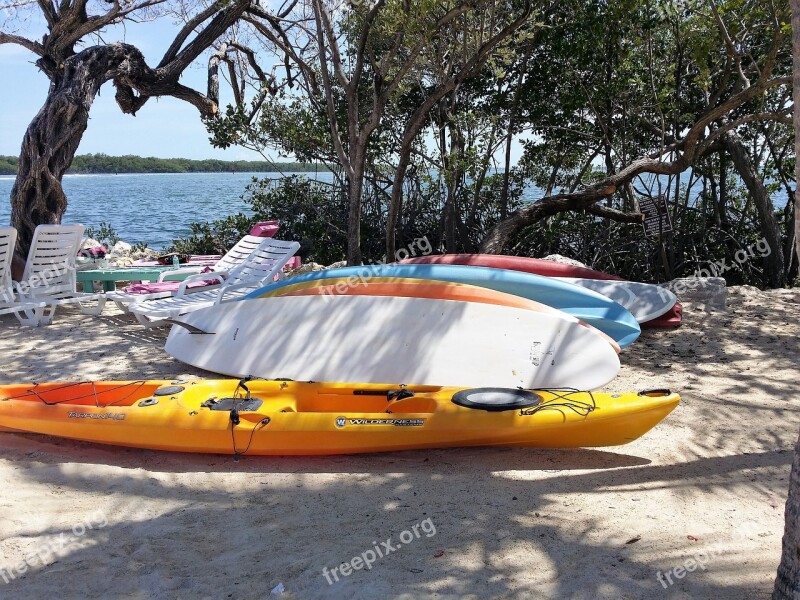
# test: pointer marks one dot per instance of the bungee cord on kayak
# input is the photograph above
(137, 385)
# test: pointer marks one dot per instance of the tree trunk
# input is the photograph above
(452, 160)
(796, 94)
(774, 267)
(787, 583)
(49, 145)
(396, 201)
(355, 185)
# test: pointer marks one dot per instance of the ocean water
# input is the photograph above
(152, 208)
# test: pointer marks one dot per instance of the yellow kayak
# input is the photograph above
(287, 417)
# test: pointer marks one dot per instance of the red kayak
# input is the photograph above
(668, 319)
(538, 266)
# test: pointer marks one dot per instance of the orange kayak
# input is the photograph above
(286, 417)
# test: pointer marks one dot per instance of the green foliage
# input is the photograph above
(108, 236)
(310, 212)
(215, 237)
(8, 165)
(105, 234)
(699, 244)
(286, 124)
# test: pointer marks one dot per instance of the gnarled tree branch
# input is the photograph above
(35, 47)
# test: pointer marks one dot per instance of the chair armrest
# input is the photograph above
(218, 275)
(172, 272)
(238, 286)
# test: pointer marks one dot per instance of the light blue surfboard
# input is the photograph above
(597, 310)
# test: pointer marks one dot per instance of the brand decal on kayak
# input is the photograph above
(539, 354)
(342, 421)
(113, 416)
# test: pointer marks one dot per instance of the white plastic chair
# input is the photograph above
(261, 267)
(49, 276)
(232, 259)
(8, 300)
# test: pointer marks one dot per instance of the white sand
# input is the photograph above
(510, 523)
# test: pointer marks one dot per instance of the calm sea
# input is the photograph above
(152, 208)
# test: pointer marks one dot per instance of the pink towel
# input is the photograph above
(165, 286)
(293, 263)
(265, 228)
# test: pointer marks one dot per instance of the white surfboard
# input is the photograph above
(644, 301)
(395, 340)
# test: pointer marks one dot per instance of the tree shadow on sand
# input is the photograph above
(505, 523)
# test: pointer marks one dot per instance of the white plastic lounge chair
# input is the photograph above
(8, 300)
(49, 275)
(232, 259)
(261, 267)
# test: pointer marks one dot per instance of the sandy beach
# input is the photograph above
(694, 509)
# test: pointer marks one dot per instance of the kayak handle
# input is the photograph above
(656, 393)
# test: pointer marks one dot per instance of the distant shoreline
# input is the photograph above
(12, 176)
(102, 164)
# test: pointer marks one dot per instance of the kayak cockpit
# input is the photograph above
(306, 400)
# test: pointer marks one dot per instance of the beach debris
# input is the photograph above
(438, 554)
(705, 293)
(564, 260)
(121, 248)
(278, 590)
(310, 267)
(120, 261)
(691, 537)
(90, 243)
(633, 540)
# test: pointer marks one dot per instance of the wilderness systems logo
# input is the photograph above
(342, 421)
(113, 416)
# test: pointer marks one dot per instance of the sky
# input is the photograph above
(164, 127)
